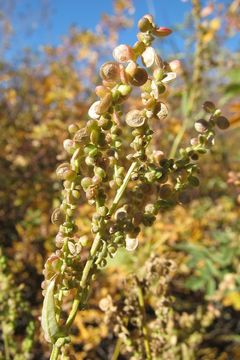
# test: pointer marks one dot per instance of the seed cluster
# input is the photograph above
(95, 170)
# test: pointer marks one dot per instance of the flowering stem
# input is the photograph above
(80, 300)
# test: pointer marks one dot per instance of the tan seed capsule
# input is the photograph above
(163, 113)
(144, 24)
(93, 110)
(104, 104)
(165, 191)
(150, 58)
(135, 118)
(57, 217)
(109, 71)
(131, 243)
(139, 77)
(123, 53)
(81, 135)
(101, 91)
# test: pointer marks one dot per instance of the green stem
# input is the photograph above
(144, 326)
(122, 188)
(117, 349)
(5, 341)
(55, 353)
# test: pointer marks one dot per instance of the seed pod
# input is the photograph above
(162, 31)
(135, 118)
(209, 107)
(59, 239)
(131, 243)
(166, 191)
(104, 104)
(73, 128)
(102, 210)
(105, 304)
(144, 24)
(139, 77)
(163, 113)
(201, 126)
(86, 183)
(123, 53)
(150, 58)
(110, 71)
(193, 180)
(64, 172)
(101, 91)
(81, 135)
(222, 122)
(158, 74)
(93, 110)
(57, 217)
(68, 145)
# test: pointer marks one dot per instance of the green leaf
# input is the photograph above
(49, 321)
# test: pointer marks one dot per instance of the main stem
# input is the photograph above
(79, 300)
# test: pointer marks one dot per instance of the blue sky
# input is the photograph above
(86, 14)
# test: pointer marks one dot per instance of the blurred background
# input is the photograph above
(50, 55)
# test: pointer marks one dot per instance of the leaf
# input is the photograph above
(49, 321)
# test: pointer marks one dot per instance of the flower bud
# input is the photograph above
(201, 126)
(135, 118)
(110, 71)
(123, 53)
(131, 243)
(222, 122)
(162, 31)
